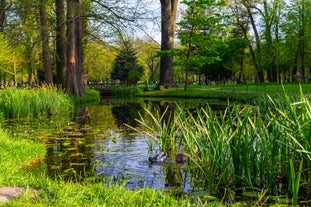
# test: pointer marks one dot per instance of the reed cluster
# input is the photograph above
(45, 100)
(254, 148)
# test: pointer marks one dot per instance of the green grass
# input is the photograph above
(17, 156)
(237, 92)
(129, 91)
(91, 96)
(38, 102)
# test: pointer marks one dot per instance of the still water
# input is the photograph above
(96, 143)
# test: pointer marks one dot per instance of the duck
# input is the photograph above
(158, 158)
(181, 158)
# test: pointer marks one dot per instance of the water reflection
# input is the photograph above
(70, 153)
(126, 113)
(96, 144)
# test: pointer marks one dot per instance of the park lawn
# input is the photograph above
(237, 92)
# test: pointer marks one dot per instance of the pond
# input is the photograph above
(96, 144)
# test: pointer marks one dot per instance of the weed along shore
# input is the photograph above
(238, 155)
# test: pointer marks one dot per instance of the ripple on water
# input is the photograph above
(128, 158)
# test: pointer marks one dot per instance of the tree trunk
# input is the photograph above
(74, 74)
(168, 26)
(302, 40)
(2, 15)
(257, 58)
(61, 46)
(269, 62)
(45, 44)
(78, 34)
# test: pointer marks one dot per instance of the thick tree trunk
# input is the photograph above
(2, 15)
(168, 26)
(74, 74)
(45, 44)
(61, 46)
(78, 34)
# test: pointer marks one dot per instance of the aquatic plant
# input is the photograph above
(245, 147)
(44, 100)
(160, 129)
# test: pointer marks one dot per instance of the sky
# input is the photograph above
(152, 27)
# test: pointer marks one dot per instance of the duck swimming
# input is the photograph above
(181, 158)
(158, 158)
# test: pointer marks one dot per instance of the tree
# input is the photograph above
(297, 30)
(98, 58)
(125, 66)
(2, 14)
(168, 27)
(199, 33)
(147, 51)
(61, 49)
(74, 68)
(48, 77)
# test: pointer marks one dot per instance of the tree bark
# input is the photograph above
(45, 44)
(258, 58)
(74, 74)
(61, 42)
(168, 26)
(2, 15)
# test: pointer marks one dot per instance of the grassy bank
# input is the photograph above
(91, 96)
(22, 164)
(236, 92)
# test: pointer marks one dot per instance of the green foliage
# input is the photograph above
(10, 58)
(90, 96)
(45, 100)
(147, 52)
(126, 67)
(200, 35)
(98, 59)
(130, 91)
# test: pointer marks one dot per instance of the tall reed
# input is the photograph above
(245, 147)
(160, 128)
(45, 100)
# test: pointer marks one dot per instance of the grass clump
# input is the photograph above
(91, 96)
(130, 91)
(96, 194)
(45, 100)
(18, 156)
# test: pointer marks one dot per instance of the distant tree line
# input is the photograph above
(64, 41)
